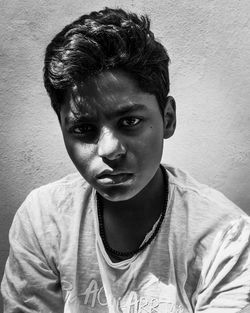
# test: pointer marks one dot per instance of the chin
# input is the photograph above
(117, 195)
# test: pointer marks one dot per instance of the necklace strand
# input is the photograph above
(119, 254)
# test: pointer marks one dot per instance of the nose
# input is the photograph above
(109, 145)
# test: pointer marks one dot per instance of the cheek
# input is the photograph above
(154, 150)
(80, 154)
(152, 140)
(149, 147)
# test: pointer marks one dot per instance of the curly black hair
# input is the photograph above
(106, 40)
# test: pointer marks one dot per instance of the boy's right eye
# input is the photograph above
(84, 129)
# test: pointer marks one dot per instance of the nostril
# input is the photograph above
(111, 153)
(111, 149)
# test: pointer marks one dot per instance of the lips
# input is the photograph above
(108, 177)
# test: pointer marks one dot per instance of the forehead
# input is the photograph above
(110, 93)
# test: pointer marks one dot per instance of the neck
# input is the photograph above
(141, 205)
(124, 225)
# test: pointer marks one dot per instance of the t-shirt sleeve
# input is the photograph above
(31, 282)
(224, 286)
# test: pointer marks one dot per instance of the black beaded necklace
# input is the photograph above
(119, 254)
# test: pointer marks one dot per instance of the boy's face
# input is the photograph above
(115, 136)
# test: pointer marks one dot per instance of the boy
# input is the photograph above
(128, 234)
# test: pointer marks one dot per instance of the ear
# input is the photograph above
(169, 117)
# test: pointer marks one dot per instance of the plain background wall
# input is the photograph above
(209, 45)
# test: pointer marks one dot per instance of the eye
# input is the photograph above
(82, 129)
(130, 121)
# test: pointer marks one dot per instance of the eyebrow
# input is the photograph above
(126, 109)
(119, 112)
(77, 119)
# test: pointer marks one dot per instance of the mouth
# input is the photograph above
(114, 178)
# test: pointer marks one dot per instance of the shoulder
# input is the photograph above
(50, 203)
(49, 216)
(62, 187)
(197, 196)
(199, 212)
(57, 192)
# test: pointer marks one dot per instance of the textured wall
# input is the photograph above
(209, 45)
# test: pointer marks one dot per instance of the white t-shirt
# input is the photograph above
(198, 262)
